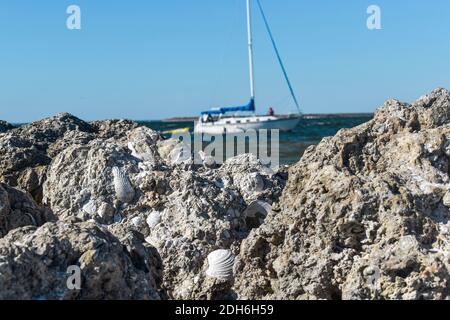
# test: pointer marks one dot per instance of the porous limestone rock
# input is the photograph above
(364, 214)
(5, 126)
(143, 145)
(251, 178)
(201, 208)
(26, 151)
(105, 179)
(34, 263)
(202, 213)
(113, 129)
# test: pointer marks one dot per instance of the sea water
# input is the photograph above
(310, 131)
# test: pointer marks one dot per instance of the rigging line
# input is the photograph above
(278, 56)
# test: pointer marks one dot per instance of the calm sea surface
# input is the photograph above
(292, 144)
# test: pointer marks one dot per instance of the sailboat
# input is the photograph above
(243, 118)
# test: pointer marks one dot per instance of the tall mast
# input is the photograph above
(250, 50)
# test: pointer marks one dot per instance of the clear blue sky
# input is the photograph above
(156, 59)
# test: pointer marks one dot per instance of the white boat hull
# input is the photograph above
(236, 125)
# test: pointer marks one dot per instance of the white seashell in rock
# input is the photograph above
(258, 209)
(153, 219)
(134, 153)
(446, 199)
(220, 264)
(136, 221)
(124, 189)
(179, 155)
(256, 213)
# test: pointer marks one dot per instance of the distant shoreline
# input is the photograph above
(192, 119)
(306, 116)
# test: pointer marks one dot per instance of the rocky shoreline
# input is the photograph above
(363, 215)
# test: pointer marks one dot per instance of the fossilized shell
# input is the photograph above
(117, 218)
(251, 183)
(149, 241)
(140, 153)
(124, 189)
(100, 209)
(106, 211)
(257, 209)
(208, 161)
(90, 208)
(153, 219)
(134, 152)
(220, 264)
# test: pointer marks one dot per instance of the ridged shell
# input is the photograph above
(220, 264)
(124, 189)
(153, 219)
